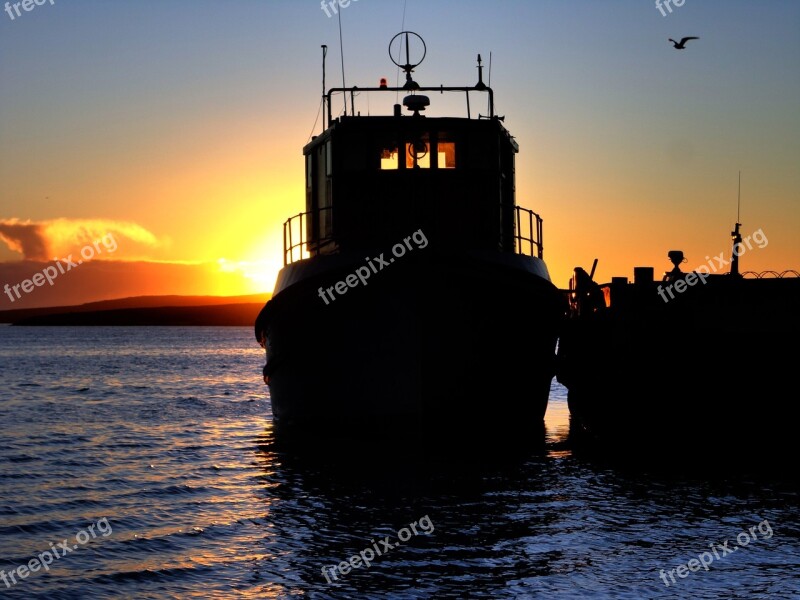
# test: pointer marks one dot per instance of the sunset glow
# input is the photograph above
(186, 144)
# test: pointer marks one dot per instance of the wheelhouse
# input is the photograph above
(371, 180)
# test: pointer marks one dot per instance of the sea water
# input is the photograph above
(140, 463)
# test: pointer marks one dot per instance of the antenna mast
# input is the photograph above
(488, 101)
(735, 235)
(324, 54)
(341, 52)
(739, 198)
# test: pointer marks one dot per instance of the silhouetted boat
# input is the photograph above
(696, 363)
(414, 292)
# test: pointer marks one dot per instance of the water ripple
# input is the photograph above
(166, 433)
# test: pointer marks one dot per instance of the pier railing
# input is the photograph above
(299, 242)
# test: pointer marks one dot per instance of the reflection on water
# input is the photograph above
(167, 433)
(557, 422)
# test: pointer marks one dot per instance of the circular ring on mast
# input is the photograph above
(408, 66)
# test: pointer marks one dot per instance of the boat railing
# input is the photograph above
(297, 233)
(528, 232)
(355, 92)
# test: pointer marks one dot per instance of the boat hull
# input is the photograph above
(444, 346)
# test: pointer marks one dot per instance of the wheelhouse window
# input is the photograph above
(418, 155)
(424, 152)
(390, 158)
(328, 159)
(446, 155)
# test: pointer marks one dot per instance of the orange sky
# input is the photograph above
(180, 132)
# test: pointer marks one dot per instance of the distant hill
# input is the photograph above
(147, 310)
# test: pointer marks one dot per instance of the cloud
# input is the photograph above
(44, 240)
(26, 238)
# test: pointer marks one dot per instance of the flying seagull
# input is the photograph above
(682, 44)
